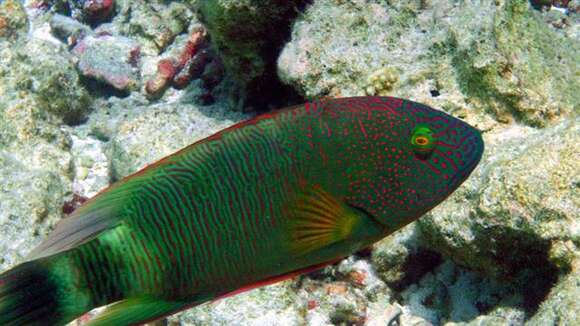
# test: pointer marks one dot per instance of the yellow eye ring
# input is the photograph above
(421, 140)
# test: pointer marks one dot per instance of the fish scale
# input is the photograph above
(266, 199)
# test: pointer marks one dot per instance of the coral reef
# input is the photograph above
(524, 193)
(501, 250)
(110, 59)
(155, 24)
(180, 71)
(562, 303)
(93, 12)
(248, 45)
(516, 219)
(39, 94)
(13, 19)
(381, 82)
(503, 68)
(495, 58)
(97, 11)
(156, 131)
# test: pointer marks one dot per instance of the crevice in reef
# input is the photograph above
(515, 273)
(529, 269)
(417, 265)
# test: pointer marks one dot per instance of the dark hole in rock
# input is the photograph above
(434, 92)
(364, 253)
(325, 273)
(71, 205)
(344, 316)
(101, 89)
(482, 307)
(525, 259)
(416, 266)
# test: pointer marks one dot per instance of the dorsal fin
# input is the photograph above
(98, 214)
(319, 219)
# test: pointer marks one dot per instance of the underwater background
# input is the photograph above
(92, 91)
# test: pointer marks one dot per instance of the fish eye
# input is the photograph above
(423, 142)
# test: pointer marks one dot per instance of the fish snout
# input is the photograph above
(468, 152)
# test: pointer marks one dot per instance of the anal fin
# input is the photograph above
(276, 279)
(137, 311)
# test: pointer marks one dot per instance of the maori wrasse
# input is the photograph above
(273, 197)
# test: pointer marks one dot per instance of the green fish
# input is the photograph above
(273, 197)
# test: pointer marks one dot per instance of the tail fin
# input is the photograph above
(28, 296)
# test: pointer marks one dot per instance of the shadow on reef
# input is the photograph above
(99, 89)
(417, 265)
(525, 259)
(525, 279)
(249, 40)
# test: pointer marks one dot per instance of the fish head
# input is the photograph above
(428, 155)
(442, 152)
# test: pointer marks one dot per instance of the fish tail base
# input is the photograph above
(28, 296)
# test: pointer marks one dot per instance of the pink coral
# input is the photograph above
(188, 65)
(98, 10)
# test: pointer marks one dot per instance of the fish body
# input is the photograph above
(269, 198)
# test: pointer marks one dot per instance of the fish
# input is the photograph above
(270, 198)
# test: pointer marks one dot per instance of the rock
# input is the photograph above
(34, 160)
(525, 193)
(248, 35)
(382, 313)
(498, 60)
(329, 297)
(516, 218)
(91, 166)
(112, 60)
(336, 303)
(13, 20)
(98, 11)
(271, 305)
(92, 12)
(30, 201)
(400, 260)
(562, 304)
(154, 132)
(56, 84)
(68, 29)
(35, 173)
(44, 72)
(451, 294)
(155, 24)
(40, 93)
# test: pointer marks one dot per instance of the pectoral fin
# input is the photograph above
(319, 219)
